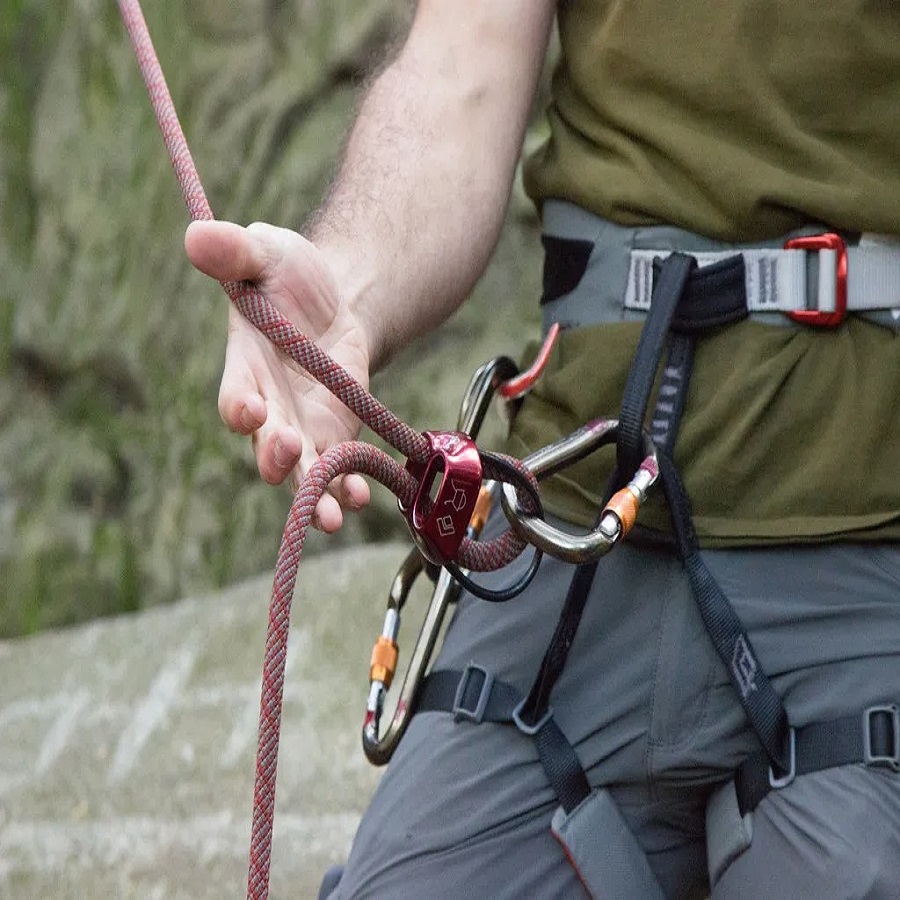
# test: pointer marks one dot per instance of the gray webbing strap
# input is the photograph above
(782, 280)
(614, 281)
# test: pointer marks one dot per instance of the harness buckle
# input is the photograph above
(890, 759)
(816, 317)
(782, 781)
(439, 515)
(470, 714)
(530, 729)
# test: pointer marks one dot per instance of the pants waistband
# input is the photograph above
(590, 267)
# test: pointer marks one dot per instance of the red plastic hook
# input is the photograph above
(520, 385)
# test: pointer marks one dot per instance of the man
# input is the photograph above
(687, 128)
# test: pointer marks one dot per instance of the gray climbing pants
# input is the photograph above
(464, 810)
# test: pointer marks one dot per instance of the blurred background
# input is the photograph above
(120, 489)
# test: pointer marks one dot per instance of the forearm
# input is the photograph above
(419, 201)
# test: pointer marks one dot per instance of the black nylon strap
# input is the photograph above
(696, 303)
(686, 302)
(762, 704)
(716, 295)
(673, 277)
(463, 695)
(563, 768)
(870, 738)
(438, 693)
(538, 700)
(672, 391)
(667, 290)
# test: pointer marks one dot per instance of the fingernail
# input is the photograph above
(247, 420)
(281, 456)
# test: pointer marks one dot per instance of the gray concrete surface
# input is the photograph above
(127, 745)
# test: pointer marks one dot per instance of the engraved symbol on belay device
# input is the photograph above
(744, 666)
(446, 526)
(449, 481)
(457, 500)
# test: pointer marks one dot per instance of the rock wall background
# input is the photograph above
(119, 487)
(127, 744)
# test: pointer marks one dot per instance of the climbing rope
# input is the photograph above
(344, 458)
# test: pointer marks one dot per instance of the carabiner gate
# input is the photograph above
(617, 517)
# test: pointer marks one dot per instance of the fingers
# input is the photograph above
(328, 516)
(241, 405)
(349, 492)
(354, 492)
(280, 454)
(278, 451)
(256, 396)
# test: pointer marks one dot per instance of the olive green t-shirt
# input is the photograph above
(738, 120)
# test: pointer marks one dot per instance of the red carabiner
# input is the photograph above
(438, 519)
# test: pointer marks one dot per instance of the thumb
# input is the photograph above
(228, 252)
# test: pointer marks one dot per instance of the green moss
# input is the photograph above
(127, 489)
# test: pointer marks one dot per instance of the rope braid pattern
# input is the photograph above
(351, 456)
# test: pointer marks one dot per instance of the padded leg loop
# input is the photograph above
(728, 833)
(603, 851)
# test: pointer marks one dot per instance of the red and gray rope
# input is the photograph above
(347, 457)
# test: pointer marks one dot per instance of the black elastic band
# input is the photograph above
(475, 696)
(524, 490)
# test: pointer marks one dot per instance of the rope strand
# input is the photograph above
(342, 459)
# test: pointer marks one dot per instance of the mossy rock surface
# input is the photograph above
(119, 486)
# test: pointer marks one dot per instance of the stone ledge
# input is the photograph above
(127, 745)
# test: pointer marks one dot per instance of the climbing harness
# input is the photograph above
(686, 302)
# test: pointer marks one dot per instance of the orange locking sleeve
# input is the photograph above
(624, 504)
(384, 661)
(481, 512)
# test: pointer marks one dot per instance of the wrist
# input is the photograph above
(357, 284)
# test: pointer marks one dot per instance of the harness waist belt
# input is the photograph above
(597, 271)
